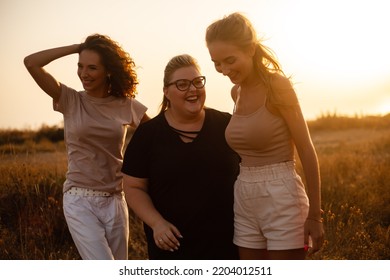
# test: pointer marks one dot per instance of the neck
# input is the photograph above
(251, 82)
(250, 87)
(99, 93)
(185, 122)
(187, 128)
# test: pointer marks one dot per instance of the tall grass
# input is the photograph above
(32, 224)
(31, 221)
(355, 194)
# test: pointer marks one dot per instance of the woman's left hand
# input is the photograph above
(315, 229)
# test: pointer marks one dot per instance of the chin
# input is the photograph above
(86, 88)
(195, 109)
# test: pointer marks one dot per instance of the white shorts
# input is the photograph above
(99, 225)
(270, 207)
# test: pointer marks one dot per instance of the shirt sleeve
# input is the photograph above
(138, 111)
(137, 154)
(67, 96)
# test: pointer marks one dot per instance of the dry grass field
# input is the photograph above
(354, 155)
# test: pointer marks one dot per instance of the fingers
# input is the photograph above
(311, 250)
(166, 237)
(315, 230)
(168, 242)
(317, 243)
(315, 246)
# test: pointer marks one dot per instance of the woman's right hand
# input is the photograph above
(166, 236)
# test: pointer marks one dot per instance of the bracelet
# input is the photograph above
(317, 220)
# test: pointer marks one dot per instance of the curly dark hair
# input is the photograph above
(123, 78)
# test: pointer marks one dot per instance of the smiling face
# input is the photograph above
(189, 102)
(232, 61)
(92, 73)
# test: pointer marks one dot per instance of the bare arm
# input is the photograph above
(292, 114)
(145, 118)
(36, 61)
(165, 234)
(308, 157)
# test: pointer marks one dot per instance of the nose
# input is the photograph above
(82, 72)
(225, 70)
(192, 87)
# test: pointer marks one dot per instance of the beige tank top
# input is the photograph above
(260, 138)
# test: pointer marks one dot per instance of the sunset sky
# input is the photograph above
(337, 51)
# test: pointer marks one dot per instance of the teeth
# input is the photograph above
(192, 98)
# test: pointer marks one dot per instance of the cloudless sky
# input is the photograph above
(337, 51)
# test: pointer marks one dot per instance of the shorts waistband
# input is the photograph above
(87, 192)
(267, 172)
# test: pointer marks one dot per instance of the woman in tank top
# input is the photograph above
(274, 216)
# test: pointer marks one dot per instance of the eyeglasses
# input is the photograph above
(184, 84)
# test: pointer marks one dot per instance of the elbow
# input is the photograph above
(31, 62)
(27, 62)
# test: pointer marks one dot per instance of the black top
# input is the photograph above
(190, 184)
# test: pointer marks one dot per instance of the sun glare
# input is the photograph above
(338, 46)
(384, 108)
(332, 38)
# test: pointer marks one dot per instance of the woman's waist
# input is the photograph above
(267, 172)
(258, 158)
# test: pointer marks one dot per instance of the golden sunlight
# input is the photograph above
(335, 37)
(384, 108)
(340, 46)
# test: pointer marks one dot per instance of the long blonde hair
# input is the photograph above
(239, 31)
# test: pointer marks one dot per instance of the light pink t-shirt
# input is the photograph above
(95, 130)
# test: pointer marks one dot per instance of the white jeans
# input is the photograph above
(99, 225)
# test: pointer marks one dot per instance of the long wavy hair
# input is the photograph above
(236, 29)
(122, 78)
(177, 62)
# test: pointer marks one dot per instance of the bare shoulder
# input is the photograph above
(234, 92)
(283, 90)
(280, 82)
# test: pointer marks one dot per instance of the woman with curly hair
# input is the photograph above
(95, 125)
